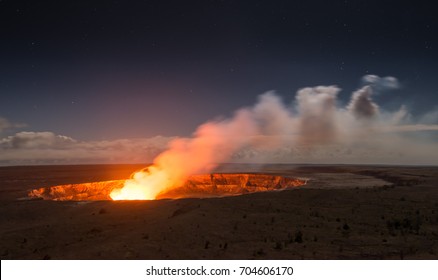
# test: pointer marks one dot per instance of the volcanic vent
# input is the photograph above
(211, 185)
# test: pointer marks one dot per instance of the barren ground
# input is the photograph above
(344, 212)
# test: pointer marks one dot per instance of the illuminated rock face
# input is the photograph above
(216, 185)
(210, 185)
(85, 191)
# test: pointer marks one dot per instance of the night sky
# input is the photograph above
(104, 70)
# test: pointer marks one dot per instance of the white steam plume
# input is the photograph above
(319, 127)
(361, 106)
(213, 142)
(317, 114)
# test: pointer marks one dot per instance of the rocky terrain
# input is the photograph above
(343, 212)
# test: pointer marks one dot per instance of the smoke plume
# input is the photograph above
(317, 111)
(318, 128)
(361, 106)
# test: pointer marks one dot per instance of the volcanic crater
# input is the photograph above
(196, 186)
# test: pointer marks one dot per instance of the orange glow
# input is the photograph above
(212, 142)
(200, 186)
(144, 185)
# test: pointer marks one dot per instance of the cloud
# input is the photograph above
(6, 124)
(381, 83)
(29, 147)
(36, 140)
